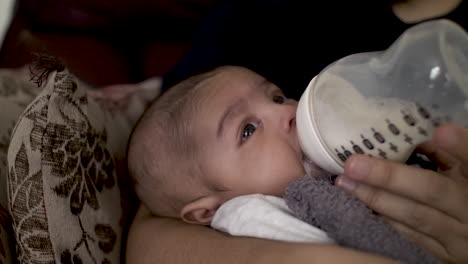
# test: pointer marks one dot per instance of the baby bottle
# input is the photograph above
(383, 104)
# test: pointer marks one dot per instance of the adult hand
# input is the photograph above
(430, 207)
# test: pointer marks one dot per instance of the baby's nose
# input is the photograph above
(292, 123)
(288, 120)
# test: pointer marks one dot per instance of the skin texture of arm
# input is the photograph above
(184, 243)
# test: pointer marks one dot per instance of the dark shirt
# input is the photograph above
(291, 41)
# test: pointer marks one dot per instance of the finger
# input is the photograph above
(426, 242)
(452, 251)
(422, 218)
(424, 186)
(453, 140)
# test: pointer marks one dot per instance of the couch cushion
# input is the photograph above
(66, 161)
(16, 93)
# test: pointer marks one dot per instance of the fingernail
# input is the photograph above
(346, 183)
(359, 168)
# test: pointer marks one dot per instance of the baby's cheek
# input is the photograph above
(297, 171)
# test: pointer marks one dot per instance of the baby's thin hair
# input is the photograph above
(162, 146)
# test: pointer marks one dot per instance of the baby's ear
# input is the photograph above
(200, 211)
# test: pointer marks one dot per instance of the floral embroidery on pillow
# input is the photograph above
(63, 187)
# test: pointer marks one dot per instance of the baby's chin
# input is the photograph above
(311, 168)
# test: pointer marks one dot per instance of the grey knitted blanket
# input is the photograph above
(317, 201)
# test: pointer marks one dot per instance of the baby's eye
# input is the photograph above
(248, 130)
(279, 99)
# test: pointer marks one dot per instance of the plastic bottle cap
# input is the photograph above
(309, 136)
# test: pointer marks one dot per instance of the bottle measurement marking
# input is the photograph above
(408, 139)
(367, 143)
(393, 128)
(408, 118)
(422, 131)
(346, 152)
(340, 155)
(423, 112)
(378, 136)
(357, 148)
(382, 154)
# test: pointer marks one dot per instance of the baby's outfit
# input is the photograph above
(265, 216)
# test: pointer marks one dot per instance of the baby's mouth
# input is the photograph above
(306, 158)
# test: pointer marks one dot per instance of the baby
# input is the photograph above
(215, 136)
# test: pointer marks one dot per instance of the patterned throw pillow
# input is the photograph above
(16, 92)
(6, 237)
(66, 165)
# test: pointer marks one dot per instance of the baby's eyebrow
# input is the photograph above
(228, 114)
(267, 87)
(264, 84)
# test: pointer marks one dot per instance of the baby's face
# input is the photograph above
(248, 130)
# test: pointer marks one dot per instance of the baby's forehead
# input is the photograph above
(235, 80)
(232, 72)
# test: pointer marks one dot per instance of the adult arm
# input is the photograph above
(429, 207)
(164, 240)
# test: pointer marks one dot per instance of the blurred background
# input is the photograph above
(103, 42)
